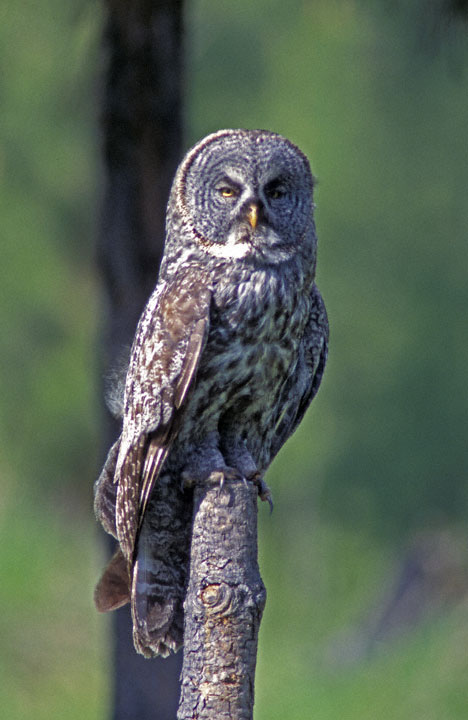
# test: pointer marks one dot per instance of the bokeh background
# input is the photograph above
(365, 557)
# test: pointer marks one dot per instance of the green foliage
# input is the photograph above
(323, 581)
(52, 653)
(48, 202)
(383, 117)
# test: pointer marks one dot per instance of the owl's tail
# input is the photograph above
(160, 570)
(156, 583)
(113, 588)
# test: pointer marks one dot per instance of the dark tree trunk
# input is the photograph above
(142, 137)
(457, 8)
(142, 123)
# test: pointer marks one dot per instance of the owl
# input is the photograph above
(228, 354)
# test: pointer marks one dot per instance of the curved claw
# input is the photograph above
(215, 477)
(229, 473)
(263, 489)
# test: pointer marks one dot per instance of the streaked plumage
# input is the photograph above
(227, 356)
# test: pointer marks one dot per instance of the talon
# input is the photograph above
(265, 494)
(186, 480)
(216, 477)
(233, 474)
(263, 489)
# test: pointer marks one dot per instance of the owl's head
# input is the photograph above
(247, 194)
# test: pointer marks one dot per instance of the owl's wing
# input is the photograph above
(302, 386)
(166, 352)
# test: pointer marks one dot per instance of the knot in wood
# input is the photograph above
(216, 598)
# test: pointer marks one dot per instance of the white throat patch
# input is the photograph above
(234, 249)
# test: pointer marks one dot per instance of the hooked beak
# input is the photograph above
(252, 215)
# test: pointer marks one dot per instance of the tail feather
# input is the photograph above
(113, 589)
(156, 584)
(160, 570)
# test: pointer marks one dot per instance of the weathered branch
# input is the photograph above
(224, 604)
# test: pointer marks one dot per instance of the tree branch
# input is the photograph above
(224, 604)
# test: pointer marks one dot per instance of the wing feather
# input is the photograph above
(302, 386)
(165, 356)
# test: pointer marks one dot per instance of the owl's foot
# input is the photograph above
(219, 476)
(214, 477)
(227, 473)
(206, 464)
(263, 489)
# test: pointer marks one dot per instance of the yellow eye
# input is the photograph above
(276, 192)
(227, 192)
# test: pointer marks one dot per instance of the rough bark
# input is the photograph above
(224, 604)
(142, 140)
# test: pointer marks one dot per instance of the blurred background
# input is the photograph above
(365, 557)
